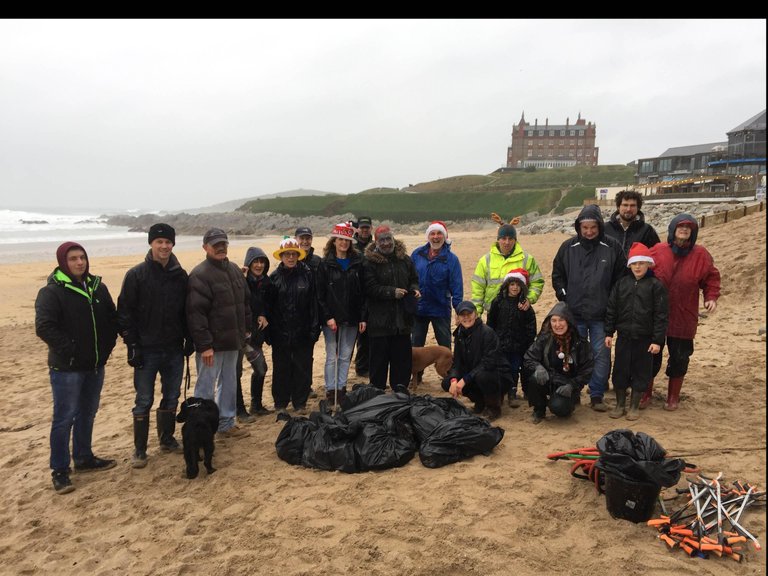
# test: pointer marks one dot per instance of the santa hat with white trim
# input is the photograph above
(439, 226)
(640, 253)
(519, 274)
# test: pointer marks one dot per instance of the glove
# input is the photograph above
(565, 390)
(189, 347)
(135, 357)
(541, 376)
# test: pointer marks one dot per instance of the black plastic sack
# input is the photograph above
(427, 413)
(459, 438)
(291, 439)
(360, 393)
(377, 448)
(637, 458)
(331, 447)
(385, 408)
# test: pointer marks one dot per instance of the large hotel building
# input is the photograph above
(552, 145)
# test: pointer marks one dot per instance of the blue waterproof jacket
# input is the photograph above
(440, 281)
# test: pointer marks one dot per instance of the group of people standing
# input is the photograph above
(367, 293)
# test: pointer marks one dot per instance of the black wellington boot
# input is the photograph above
(166, 426)
(140, 436)
(621, 403)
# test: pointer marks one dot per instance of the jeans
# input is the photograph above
(224, 370)
(337, 366)
(595, 330)
(441, 326)
(170, 365)
(76, 398)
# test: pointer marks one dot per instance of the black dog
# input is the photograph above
(201, 419)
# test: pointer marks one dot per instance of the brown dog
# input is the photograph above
(424, 356)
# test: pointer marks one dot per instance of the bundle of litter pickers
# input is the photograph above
(712, 521)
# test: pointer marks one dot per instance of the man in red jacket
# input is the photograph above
(684, 268)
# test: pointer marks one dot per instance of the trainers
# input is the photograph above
(61, 482)
(95, 464)
(514, 402)
(139, 459)
(245, 418)
(234, 432)
(536, 418)
(260, 411)
(312, 394)
(598, 405)
(301, 410)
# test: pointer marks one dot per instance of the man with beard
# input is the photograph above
(440, 283)
(391, 285)
(627, 224)
(584, 271)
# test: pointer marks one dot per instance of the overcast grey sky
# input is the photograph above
(174, 114)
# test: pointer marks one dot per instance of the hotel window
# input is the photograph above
(530, 153)
(541, 132)
(552, 133)
(573, 132)
(562, 142)
(580, 142)
(562, 132)
(578, 152)
(530, 142)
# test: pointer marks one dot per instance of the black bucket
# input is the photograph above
(633, 501)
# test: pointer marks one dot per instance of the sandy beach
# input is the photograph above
(513, 512)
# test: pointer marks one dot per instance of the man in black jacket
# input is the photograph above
(627, 224)
(151, 312)
(583, 273)
(219, 320)
(392, 290)
(478, 364)
(75, 316)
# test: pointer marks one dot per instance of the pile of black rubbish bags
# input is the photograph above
(374, 431)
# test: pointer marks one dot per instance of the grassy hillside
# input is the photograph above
(460, 197)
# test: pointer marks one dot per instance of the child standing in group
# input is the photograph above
(638, 311)
(514, 321)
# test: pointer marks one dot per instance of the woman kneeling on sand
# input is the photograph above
(558, 365)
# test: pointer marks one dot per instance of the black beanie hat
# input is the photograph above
(161, 230)
(507, 230)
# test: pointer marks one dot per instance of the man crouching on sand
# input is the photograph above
(76, 317)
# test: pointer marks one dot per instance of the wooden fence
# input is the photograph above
(728, 215)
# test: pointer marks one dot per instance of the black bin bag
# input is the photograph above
(331, 447)
(459, 438)
(291, 439)
(637, 458)
(379, 448)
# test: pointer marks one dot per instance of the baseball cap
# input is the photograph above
(214, 236)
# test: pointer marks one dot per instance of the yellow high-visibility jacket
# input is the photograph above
(491, 269)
